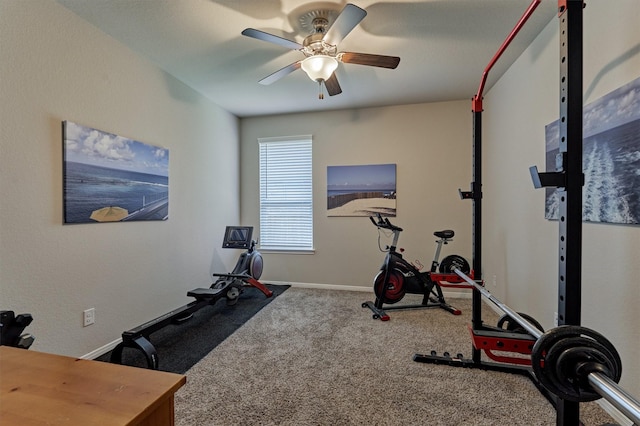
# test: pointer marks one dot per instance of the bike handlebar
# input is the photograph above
(384, 223)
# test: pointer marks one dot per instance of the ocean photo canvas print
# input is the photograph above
(362, 190)
(110, 178)
(611, 158)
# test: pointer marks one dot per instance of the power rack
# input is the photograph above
(569, 364)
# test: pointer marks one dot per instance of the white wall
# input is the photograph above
(520, 246)
(56, 67)
(431, 145)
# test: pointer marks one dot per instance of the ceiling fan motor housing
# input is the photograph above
(315, 45)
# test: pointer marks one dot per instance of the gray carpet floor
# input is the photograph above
(180, 346)
(316, 357)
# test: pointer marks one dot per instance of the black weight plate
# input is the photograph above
(574, 363)
(451, 261)
(395, 290)
(563, 357)
(507, 323)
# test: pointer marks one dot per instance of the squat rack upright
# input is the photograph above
(490, 336)
(568, 178)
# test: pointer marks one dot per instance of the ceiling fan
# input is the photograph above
(320, 49)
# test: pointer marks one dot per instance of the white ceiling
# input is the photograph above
(444, 46)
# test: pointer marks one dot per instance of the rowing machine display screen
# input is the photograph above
(238, 237)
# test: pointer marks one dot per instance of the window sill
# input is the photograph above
(286, 251)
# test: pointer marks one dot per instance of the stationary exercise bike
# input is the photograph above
(397, 277)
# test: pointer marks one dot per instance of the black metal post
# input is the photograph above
(476, 195)
(476, 189)
(570, 213)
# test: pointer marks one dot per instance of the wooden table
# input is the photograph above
(38, 388)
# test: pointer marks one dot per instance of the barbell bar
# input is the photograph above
(575, 363)
(617, 396)
(513, 314)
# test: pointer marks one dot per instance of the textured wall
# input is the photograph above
(431, 146)
(521, 247)
(56, 67)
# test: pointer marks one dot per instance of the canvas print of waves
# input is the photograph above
(109, 178)
(611, 158)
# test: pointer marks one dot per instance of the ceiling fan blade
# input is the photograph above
(261, 35)
(332, 85)
(346, 21)
(381, 61)
(272, 78)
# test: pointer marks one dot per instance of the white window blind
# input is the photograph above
(286, 202)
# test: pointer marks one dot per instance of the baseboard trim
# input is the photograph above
(455, 294)
(324, 286)
(461, 294)
(101, 350)
(620, 418)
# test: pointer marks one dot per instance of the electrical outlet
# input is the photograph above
(555, 319)
(89, 317)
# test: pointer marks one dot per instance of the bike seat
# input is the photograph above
(447, 233)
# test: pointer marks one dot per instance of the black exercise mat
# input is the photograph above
(179, 347)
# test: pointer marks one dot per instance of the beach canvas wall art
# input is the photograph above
(611, 158)
(110, 178)
(364, 190)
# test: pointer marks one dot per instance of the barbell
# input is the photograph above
(575, 363)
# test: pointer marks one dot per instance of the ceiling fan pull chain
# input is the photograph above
(320, 95)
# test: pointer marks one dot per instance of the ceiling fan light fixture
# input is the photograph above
(319, 67)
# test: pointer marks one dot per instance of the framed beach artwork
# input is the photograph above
(361, 190)
(110, 178)
(611, 158)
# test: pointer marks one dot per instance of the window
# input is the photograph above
(286, 202)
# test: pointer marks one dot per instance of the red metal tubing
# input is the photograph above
(477, 99)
